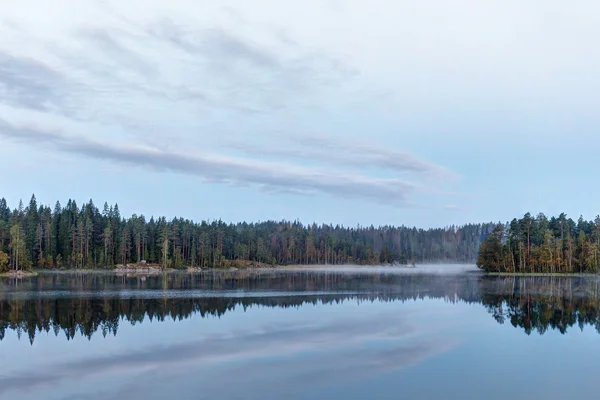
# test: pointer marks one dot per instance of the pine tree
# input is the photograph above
(18, 245)
(491, 257)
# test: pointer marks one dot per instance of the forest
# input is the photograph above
(541, 245)
(84, 236)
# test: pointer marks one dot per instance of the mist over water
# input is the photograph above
(343, 332)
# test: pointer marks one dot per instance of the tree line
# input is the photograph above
(542, 245)
(84, 236)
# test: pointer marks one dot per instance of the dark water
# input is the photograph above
(431, 333)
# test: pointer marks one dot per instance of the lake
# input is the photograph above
(433, 332)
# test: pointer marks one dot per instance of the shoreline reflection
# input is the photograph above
(87, 304)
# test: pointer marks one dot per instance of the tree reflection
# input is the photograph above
(542, 303)
(86, 304)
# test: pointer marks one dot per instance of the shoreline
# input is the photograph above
(132, 271)
(18, 274)
(152, 270)
(552, 274)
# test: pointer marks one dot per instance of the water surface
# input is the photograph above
(354, 333)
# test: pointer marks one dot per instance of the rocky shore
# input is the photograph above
(18, 274)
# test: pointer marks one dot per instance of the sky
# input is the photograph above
(424, 114)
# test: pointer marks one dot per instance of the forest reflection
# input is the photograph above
(83, 304)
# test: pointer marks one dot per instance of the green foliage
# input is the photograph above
(77, 236)
(491, 254)
(3, 261)
(542, 245)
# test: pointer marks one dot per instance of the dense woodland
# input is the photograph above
(84, 236)
(542, 245)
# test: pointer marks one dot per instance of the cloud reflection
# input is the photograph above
(341, 348)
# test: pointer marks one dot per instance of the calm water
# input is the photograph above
(431, 333)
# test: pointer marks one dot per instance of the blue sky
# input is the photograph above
(418, 113)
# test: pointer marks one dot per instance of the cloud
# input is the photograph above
(348, 154)
(111, 72)
(161, 78)
(260, 76)
(219, 45)
(29, 83)
(233, 171)
(108, 43)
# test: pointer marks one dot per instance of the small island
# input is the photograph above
(538, 245)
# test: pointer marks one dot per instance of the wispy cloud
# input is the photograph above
(164, 79)
(29, 83)
(107, 43)
(234, 171)
(347, 153)
(252, 75)
(217, 44)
